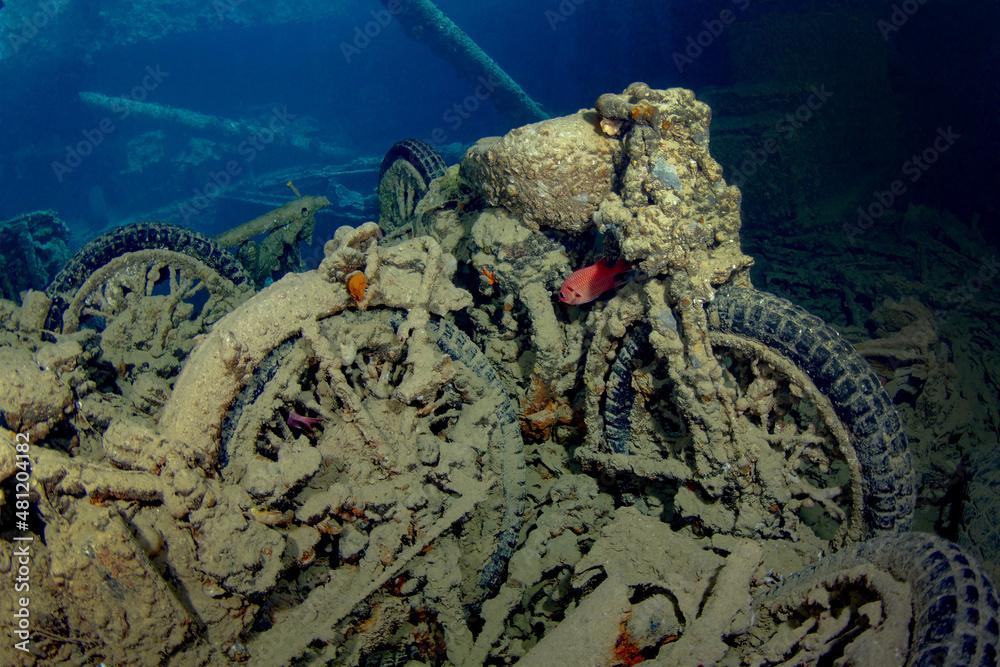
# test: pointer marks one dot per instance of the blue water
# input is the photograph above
(938, 68)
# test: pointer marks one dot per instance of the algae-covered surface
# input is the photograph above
(413, 453)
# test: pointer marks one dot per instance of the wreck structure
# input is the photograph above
(413, 453)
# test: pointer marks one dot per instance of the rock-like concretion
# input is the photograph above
(673, 210)
(550, 174)
(638, 168)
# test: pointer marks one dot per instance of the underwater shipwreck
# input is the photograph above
(537, 412)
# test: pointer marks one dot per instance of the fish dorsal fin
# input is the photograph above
(615, 264)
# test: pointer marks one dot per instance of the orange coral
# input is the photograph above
(357, 284)
(541, 411)
(489, 275)
(627, 652)
(644, 111)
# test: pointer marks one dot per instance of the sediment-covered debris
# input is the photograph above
(926, 328)
(674, 211)
(415, 453)
(33, 247)
(978, 530)
(40, 385)
(914, 595)
(203, 122)
(268, 245)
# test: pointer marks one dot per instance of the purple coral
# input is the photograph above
(297, 422)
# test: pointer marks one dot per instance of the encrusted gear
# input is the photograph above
(406, 173)
(852, 387)
(953, 603)
(99, 277)
(799, 388)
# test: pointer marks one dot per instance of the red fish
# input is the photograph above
(590, 282)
